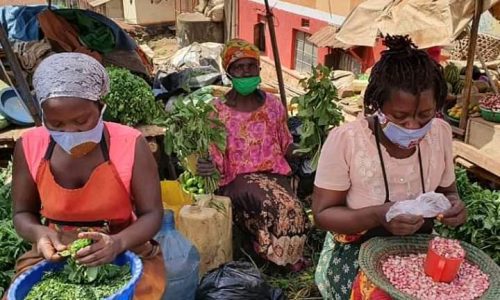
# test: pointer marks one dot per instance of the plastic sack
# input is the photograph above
(236, 281)
(428, 205)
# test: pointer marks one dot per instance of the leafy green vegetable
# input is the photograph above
(56, 286)
(318, 111)
(75, 247)
(131, 100)
(191, 129)
(77, 281)
(482, 228)
(11, 245)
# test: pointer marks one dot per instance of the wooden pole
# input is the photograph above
(276, 55)
(22, 85)
(470, 63)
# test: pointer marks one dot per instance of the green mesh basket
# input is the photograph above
(376, 250)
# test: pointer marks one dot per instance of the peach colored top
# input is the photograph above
(350, 162)
(121, 149)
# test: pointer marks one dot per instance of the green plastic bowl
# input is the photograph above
(489, 115)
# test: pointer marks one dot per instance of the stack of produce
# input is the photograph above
(456, 111)
(192, 128)
(452, 77)
(192, 184)
(447, 248)
(491, 102)
(76, 281)
(11, 245)
(407, 274)
(131, 100)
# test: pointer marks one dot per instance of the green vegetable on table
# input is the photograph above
(318, 112)
(482, 228)
(11, 245)
(192, 127)
(131, 100)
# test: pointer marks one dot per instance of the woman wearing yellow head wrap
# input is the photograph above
(254, 166)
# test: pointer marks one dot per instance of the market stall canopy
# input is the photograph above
(428, 22)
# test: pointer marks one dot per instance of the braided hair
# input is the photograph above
(404, 67)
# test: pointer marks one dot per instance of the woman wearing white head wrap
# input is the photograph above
(85, 177)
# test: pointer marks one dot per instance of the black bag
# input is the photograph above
(236, 281)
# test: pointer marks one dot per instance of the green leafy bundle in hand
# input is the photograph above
(131, 100)
(318, 112)
(191, 128)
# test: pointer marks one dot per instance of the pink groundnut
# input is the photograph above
(447, 248)
(407, 274)
(491, 102)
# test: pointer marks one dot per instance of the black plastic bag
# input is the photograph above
(236, 281)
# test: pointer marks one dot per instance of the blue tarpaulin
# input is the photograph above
(20, 22)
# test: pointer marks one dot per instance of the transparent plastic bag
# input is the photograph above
(427, 205)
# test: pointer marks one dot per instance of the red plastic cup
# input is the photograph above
(440, 268)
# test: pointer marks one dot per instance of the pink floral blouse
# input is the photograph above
(256, 142)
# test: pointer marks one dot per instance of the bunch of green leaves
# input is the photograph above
(56, 285)
(77, 273)
(482, 228)
(318, 111)
(11, 245)
(131, 100)
(5, 198)
(192, 127)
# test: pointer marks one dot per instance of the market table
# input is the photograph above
(480, 148)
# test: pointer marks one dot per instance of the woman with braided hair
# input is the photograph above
(396, 152)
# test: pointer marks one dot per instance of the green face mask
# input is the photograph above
(246, 85)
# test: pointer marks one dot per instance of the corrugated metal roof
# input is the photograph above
(325, 37)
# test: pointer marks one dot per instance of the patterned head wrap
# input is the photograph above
(237, 49)
(70, 75)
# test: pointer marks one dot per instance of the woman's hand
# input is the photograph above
(400, 225)
(205, 167)
(404, 224)
(456, 215)
(103, 250)
(49, 245)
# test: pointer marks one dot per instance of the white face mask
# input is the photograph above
(79, 143)
(404, 138)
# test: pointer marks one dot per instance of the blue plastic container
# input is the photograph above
(23, 284)
(182, 261)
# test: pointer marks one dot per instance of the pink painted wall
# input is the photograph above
(286, 24)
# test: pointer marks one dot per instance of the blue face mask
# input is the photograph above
(404, 138)
(78, 144)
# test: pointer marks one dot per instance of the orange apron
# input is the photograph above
(102, 204)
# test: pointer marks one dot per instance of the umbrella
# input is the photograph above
(429, 23)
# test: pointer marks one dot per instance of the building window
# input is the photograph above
(304, 23)
(306, 54)
(259, 36)
(341, 60)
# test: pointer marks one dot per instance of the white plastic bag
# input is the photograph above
(427, 205)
